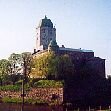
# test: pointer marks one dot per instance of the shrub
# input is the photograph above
(35, 101)
(19, 82)
(48, 83)
(11, 100)
(27, 87)
(10, 88)
(32, 81)
(19, 100)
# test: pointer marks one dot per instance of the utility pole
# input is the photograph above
(24, 73)
(23, 90)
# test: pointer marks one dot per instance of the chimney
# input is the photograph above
(63, 46)
(34, 50)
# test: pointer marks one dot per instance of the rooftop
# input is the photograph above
(77, 50)
(45, 23)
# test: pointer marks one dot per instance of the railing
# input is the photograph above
(70, 107)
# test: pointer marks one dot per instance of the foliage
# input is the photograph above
(4, 66)
(35, 101)
(16, 87)
(19, 100)
(51, 66)
(48, 83)
(27, 87)
(66, 67)
(11, 100)
(4, 69)
(21, 63)
(10, 88)
(27, 63)
(14, 78)
(32, 81)
(19, 82)
(15, 60)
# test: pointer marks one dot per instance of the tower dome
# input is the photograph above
(45, 23)
(52, 43)
(53, 46)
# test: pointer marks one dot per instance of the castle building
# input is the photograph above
(46, 41)
(45, 33)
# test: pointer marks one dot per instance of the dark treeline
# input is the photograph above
(84, 90)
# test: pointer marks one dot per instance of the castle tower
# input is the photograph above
(45, 32)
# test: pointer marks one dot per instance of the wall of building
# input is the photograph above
(44, 36)
(97, 65)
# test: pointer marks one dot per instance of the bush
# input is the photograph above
(19, 100)
(10, 88)
(27, 87)
(19, 82)
(35, 101)
(32, 81)
(48, 83)
(16, 87)
(11, 100)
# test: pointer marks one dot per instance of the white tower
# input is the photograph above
(45, 33)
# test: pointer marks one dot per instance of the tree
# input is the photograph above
(20, 64)
(50, 65)
(5, 67)
(15, 60)
(66, 67)
(27, 64)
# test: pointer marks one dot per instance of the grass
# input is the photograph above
(19, 100)
(11, 100)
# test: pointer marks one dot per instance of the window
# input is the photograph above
(43, 38)
(51, 32)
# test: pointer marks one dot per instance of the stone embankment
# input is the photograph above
(45, 94)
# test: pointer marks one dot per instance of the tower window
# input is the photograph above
(43, 38)
(50, 32)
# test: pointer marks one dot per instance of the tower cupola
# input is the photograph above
(45, 23)
(53, 46)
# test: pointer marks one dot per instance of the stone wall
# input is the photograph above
(45, 94)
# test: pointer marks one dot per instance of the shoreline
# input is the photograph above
(28, 101)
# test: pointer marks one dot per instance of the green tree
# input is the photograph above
(50, 65)
(66, 67)
(15, 60)
(5, 67)
(27, 64)
(20, 64)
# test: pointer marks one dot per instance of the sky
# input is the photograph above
(84, 24)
